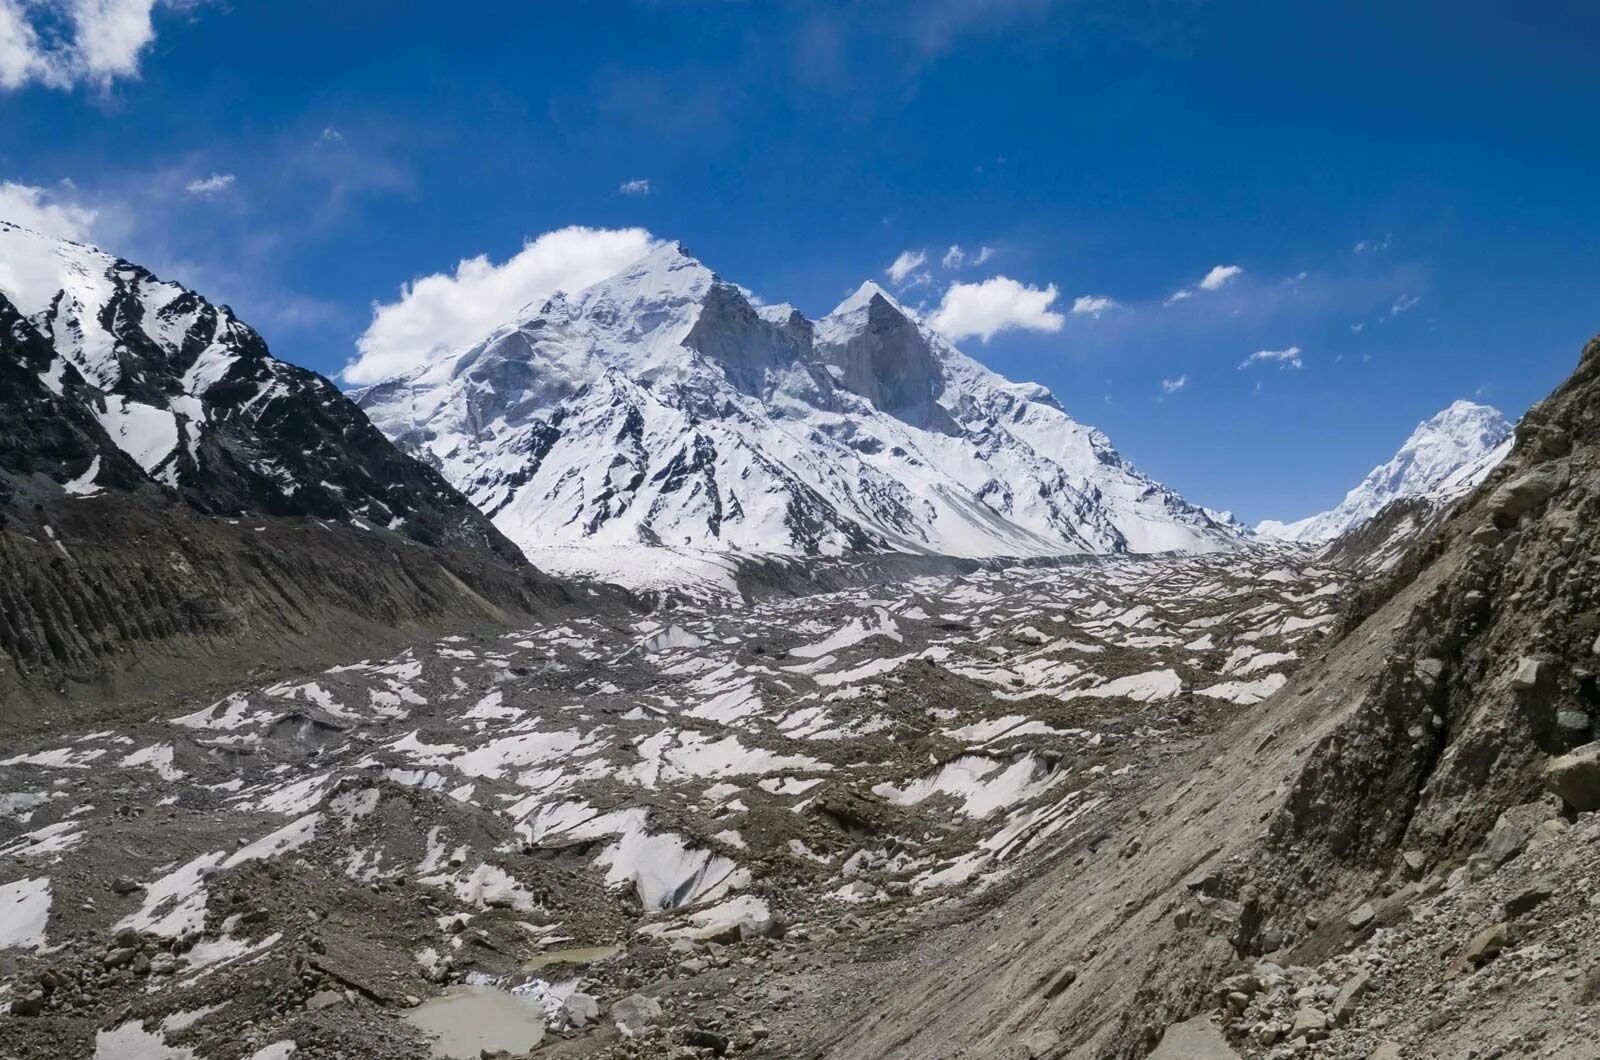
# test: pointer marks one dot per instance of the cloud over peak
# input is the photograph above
(45, 212)
(448, 311)
(997, 304)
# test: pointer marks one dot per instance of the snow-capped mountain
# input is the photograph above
(114, 379)
(1445, 457)
(662, 414)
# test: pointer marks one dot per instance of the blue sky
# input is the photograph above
(304, 161)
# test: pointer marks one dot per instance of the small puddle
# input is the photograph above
(465, 1020)
(580, 955)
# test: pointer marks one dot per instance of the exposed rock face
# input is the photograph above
(662, 410)
(115, 379)
(171, 493)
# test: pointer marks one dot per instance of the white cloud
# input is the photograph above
(903, 266)
(62, 43)
(1093, 304)
(995, 305)
(958, 257)
(635, 187)
(1215, 280)
(444, 312)
(1403, 303)
(1373, 246)
(21, 59)
(1172, 386)
(45, 211)
(1219, 276)
(215, 184)
(1289, 358)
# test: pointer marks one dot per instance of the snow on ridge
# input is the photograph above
(1445, 457)
(663, 412)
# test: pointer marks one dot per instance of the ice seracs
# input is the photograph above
(660, 424)
(1445, 457)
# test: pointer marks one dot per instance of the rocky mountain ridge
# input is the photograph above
(1447, 455)
(155, 384)
(663, 413)
(179, 507)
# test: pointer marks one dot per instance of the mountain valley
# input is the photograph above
(671, 675)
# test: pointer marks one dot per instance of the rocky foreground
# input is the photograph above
(1261, 805)
(709, 831)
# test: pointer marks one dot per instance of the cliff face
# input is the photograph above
(1376, 857)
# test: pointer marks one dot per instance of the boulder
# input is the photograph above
(1530, 673)
(1309, 1023)
(1060, 981)
(1487, 944)
(1572, 723)
(581, 1009)
(1528, 899)
(1526, 492)
(1362, 916)
(634, 1013)
(1344, 1003)
(1198, 1039)
(1386, 1051)
(1547, 832)
(1575, 776)
(1511, 832)
(324, 999)
(701, 1038)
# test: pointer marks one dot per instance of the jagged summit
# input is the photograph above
(1448, 454)
(116, 379)
(663, 409)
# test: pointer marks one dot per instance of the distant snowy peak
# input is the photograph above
(1445, 457)
(663, 409)
(111, 378)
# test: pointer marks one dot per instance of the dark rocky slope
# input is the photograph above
(1373, 862)
(178, 507)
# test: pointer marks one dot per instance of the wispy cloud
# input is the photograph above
(640, 187)
(1373, 246)
(1286, 358)
(1219, 276)
(1215, 280)
(997, 304)
(959, 258)
(1403, 303)
(1172, 386)
(215, 184)
(1092, 305)
(902, 267)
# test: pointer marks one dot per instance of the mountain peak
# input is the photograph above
(863, 297)
(666, 272)
(1445, 456)
(748, 429)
